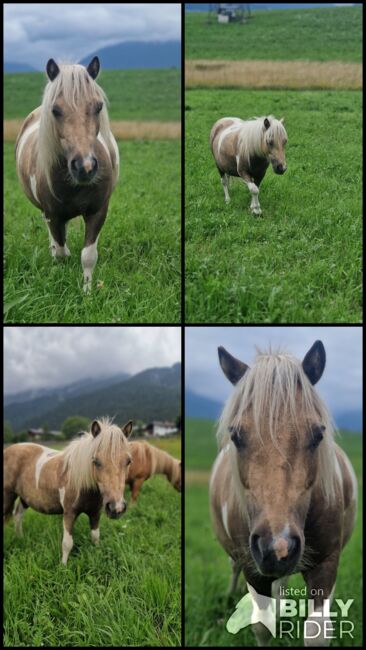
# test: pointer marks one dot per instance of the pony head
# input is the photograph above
(281, 449)
(273, 143)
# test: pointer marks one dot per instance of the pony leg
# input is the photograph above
(254, 191)
(94, 527)
(320, 581)
(236, 569)
(18, 513)
(67, 540)
(225, 179)
(9, 500)
(89, 254)
(57, 234)
(136, 486)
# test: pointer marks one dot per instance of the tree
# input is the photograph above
(8, 432)
(74, 424)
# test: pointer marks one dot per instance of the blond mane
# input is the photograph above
(251, 135)
(270, 390)
(76, 87)
(111, 443)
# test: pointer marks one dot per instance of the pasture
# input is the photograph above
(137, 277)
(207, 567)
(125, 592)
(301, 261)
(326, 34)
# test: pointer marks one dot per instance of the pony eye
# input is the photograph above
(270, 143)
(237, 437)
(99, 107)
(128, 462)
(317, 437)
(97, 462)
(56, 111)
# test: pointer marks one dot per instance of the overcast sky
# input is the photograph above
(33, 33)
(340, 385)
(53, 356)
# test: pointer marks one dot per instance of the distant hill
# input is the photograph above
(349, 420)
(18, 67)
(198, 406)
(153, 394)
(136, 54)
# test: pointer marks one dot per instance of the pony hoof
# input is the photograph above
(227, 201)
(256, 211)
(87, 288)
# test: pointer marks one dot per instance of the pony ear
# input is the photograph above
(95, 428)
(127, 429)
(282, 120)
(52, 69)
(94, 67)
(266, 123)
(314, 362)
(232, 368)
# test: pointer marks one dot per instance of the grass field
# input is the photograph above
(326, 34)
(137, 276)
(126, 592)
(132, 94)
(301, 261)
(207, 569)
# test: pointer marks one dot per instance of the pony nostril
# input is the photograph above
(124, 506)
(293, 546)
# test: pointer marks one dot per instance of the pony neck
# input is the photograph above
(165, 464)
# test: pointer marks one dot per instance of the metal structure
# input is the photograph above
(228, 12)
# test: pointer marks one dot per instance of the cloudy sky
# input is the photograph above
(35, 32)
(340, 385)
(52, 356)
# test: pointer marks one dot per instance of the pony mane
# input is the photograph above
(76, 86)
(78, 455)
(270, 391)
(252, 134)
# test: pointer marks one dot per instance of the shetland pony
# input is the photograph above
(90, 474)
(148, 460)
(67, 158)
(282, 493)
(245, 149)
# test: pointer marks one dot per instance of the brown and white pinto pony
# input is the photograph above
(67, 158)
(282, 493)
(245, 148)
(90, 474)
(147, 461)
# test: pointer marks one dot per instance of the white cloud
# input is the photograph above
(37, 357)
(35, 32)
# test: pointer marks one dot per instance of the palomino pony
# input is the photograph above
(67, 158)
(88, 475)
(148, 460)
(245, 149)
(282, 493)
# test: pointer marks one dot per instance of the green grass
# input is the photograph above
(207, 568)
(126, 592)
(299, 262)
(327, 34)
(133, 94)
(139, 248)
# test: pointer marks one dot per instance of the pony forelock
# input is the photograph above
(78, 455)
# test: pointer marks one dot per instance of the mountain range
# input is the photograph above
(199, 406)
(124, 56)
(153, 394)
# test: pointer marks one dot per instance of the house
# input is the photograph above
(40, 434)
(161, 429)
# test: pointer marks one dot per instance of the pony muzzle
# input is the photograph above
(279, 168)
(275, 557)
(83, 170)
(114, 510)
